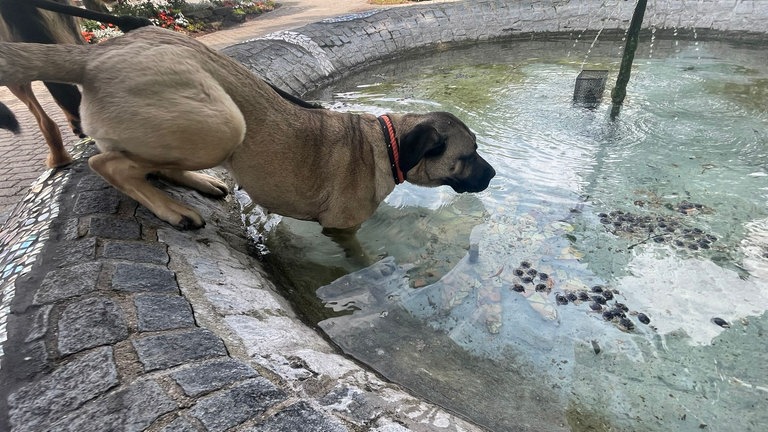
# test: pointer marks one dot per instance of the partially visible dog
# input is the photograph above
(159, 102)
(23, 21)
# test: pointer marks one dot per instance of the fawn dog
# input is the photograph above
(158, 102)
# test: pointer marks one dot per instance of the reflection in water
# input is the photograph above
(688, 156)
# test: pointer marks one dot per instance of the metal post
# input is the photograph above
(620, 90)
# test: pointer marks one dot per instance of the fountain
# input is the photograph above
(612, 278)
(539, 302)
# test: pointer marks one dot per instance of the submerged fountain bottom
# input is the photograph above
(621, 279)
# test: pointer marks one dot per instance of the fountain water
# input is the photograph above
(607, 256)
(588, 203)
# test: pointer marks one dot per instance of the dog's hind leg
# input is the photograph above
(68, 98)
(57, 155)
(130, 177)
(203, 183)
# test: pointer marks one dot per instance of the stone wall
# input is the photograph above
(316, 54)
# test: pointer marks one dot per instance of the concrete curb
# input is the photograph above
(119, 322)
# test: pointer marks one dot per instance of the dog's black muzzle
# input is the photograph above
(477, 180)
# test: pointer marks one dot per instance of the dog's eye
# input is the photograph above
(436, 151)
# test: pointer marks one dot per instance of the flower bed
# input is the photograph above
(178, 15)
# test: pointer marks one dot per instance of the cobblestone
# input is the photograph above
(89, 202)
(65, 389)
(152, 253)
(299, 417)
(69, 282)
(76, 252)
(89, 323)
(92, 182)
(167, 350)
(228, 408)
(114, 228)
(130, 409)
(39, 324)
(181, 424)
(157, 312)
(144, 277)
(212, 375)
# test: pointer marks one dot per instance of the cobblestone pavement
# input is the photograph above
(127, 324)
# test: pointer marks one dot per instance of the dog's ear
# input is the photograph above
(420, 142)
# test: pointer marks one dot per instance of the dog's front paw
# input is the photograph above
(213, 186)
(203, 183)
(180, 216)
(189, 224)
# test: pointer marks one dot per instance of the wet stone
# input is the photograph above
(301, 417)
(163, 312)
(223, 410)
(144, 277)
(352, 403)
(130, 409)
(97, 202)
(114, 228)
(89, 323)
(643, 318)
(67, 388)
(153, 253)
(168, 350)
(68, 282)
(212, 375)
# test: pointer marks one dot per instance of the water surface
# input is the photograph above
(665, 207)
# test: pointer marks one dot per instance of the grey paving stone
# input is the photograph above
(223, 410)
(99, 201)
(76, 252)
(212, 375)
(92, 182)
(153, 253)
(163, 312)
(89, 323)
(181, 424)
(40, 324)
(136, 277)
(68, 282)
(129, 409)
(299, 417)
(114, 228)
(65, 389)
(172, 349)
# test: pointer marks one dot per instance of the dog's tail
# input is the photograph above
(21, 63)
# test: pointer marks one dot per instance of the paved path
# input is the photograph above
(23, 156)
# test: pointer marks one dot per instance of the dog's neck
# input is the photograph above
(393, 148)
